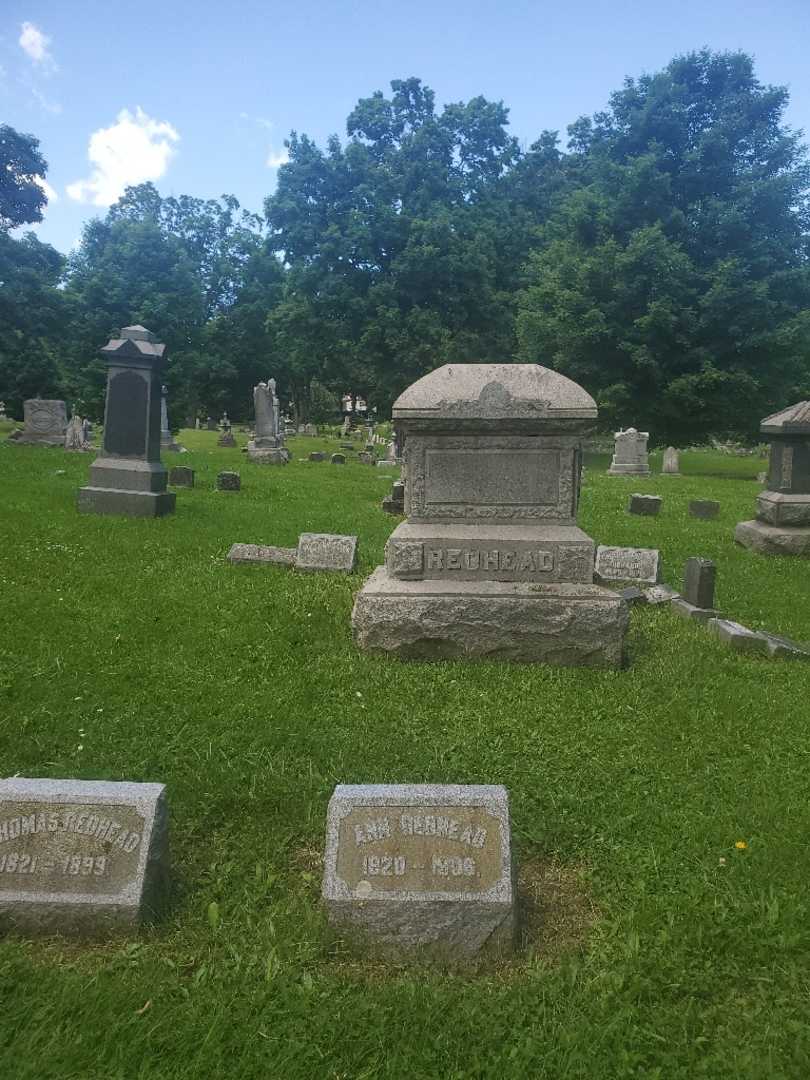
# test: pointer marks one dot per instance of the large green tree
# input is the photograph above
(22, 166)
(672, 279)
(398, 252)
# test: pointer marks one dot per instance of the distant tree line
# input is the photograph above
(660, 259)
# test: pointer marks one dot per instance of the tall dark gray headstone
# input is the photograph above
(699, 579)
(128, 476)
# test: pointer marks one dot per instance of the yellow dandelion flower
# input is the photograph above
(741, 845)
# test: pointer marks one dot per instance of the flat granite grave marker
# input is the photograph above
(261, 553)
(326, 551)
(181, 476)
(647, 505)
(704, 508)
(422, 866)
(81, 856)
(317, 455)
(229, 481)
(618, 564)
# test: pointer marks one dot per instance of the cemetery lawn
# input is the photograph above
(660, 814)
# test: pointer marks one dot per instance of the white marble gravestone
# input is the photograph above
(630, 456)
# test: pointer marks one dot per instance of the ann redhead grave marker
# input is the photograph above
(80, 856)
(422, 865)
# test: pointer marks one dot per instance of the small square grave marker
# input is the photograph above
(80, 856)
(704, 508)
(326, 551)
(181, 476)
(644, 504)
(627, 564)
(228, 481)
(425, 865)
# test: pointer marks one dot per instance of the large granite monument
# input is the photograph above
(782, 525)
(490, 561)
(268, 446)
(630, 457)
(45, 423)
(128, 476)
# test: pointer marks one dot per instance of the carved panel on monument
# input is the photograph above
(125, 421)
(507, 479)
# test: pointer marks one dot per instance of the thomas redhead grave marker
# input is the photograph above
(80, 856)
(422, 865)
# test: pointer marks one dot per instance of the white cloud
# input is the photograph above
(50, 194)
(276, 158)
(45, 104)
(134, 149)
(35, 44)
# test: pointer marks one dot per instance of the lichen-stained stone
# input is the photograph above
(326, 551)
(773, 539)
(261, 553)
(424, 867)
(82, 857)
(562, 624)
(618, 564)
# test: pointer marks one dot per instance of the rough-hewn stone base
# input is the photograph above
(92, 500)
(564, 625)
(279, 455)
(773, 539)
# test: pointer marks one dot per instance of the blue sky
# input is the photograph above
(200, 96)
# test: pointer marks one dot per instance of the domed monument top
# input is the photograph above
(502, 392)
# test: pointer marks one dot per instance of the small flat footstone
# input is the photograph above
(686, 610)
(84, 857)
(338, 459)
(181, 476)
(422, 866)
(785, 648)
(618, 564)
(704, 508)
(737, 636)
(648, 505)
(228, 481)
(317, 455)
(326, 551)
(260, 553)
(632, 595)
(659, 594)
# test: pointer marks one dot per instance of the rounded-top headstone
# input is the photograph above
(480, 394)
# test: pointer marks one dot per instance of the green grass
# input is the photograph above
(131, 650)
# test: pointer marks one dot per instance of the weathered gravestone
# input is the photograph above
(166, 440)
(647, 505)
(228, 481)
(211, 424)
(704, 508)
(81, 856)
(181, 476)
(630, 456)
(326, 551)
(317, 455)
(366, 457)
(226, 439)
(261, 553)
(45, 423)
(737, 636)
(671, 465)
(490, 562)
(618, 564)
(394, 503)
(697, 596)
(782, 525)
(422, 866)
(657, 595)
(338, 459)
(76, 435)
(128, 476)
(267, 446)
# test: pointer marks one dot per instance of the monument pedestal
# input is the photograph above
(563, 624)
(267, 452)
(93, 500)
(773, 539)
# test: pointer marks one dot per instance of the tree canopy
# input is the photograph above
(660, 258)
